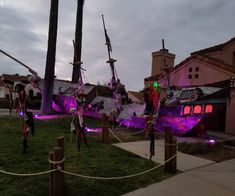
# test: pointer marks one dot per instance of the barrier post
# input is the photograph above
(170, 151)
(51, 174)
(60, 143)
(58, 177)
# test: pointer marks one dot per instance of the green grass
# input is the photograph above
(104, 160)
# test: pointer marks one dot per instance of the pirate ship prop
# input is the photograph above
(186, 110)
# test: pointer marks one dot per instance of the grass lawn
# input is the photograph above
(104, 160)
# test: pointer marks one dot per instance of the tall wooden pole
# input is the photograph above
(78, 43)
(47, 93)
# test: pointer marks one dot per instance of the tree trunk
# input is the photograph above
(47, 93)
(78, 42)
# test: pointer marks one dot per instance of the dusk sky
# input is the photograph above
(135, 27)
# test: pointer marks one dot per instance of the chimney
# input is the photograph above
(158, 62)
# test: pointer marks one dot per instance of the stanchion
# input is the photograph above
(58, 177)
(170, 151)
(51, 174)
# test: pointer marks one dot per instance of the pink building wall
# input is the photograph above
(206, 74)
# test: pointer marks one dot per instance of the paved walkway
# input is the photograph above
(214, 180)
(200, 177)
(184, 161)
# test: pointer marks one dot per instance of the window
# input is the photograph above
(187, 110)
(208, 108)
(196, 76)
(197, 69)
(190, 69)
(189, 76)
(197, 109)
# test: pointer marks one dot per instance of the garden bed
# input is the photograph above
(218, 152)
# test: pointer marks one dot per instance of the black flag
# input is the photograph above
(108, 42)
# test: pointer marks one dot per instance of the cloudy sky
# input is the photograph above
(135, 27)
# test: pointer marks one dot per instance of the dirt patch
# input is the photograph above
(221, 154)
(215, 152)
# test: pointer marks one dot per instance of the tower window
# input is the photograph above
(190, 69)
(197, 69)
(189, 76)
(196, 76)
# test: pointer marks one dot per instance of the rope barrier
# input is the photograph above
(119, 177)
(56, 162)
(116, 136)
(166, 144)
(131, 133)
(138, 132)
(32, 174)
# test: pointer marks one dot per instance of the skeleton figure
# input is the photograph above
(80, 125)
(28, 125)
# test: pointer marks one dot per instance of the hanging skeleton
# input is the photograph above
(28, 125)
(80, 100)
(21, 99)
(80, 124)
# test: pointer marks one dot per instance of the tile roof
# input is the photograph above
(214, 48)
(15, 77)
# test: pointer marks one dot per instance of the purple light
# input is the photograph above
(211, 141)
(21, 113)
(46, 117)
(93, 130)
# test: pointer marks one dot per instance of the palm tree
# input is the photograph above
(78, 43)
(47, 93)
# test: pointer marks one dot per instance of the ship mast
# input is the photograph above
(111, 61)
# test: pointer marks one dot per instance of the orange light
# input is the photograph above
(187, 110)
(208, 108)
(197, 109)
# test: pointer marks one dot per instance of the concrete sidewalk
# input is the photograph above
(184, 161)
(213, 180)
(200, 177)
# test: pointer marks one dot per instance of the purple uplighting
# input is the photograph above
(21, 114)
(93, 130)
(211, 141)
(47, 117)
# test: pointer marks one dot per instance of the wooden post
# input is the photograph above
(105, 131)
(60, 143)
(58, 177)
(173, 153)
(51, 174)
(170, 151)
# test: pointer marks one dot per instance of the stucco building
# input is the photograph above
(203, 67)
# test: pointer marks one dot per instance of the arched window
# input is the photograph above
(187, 110)
(197, 109)
(209, 108)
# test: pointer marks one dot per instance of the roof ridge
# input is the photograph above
(214, 48)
